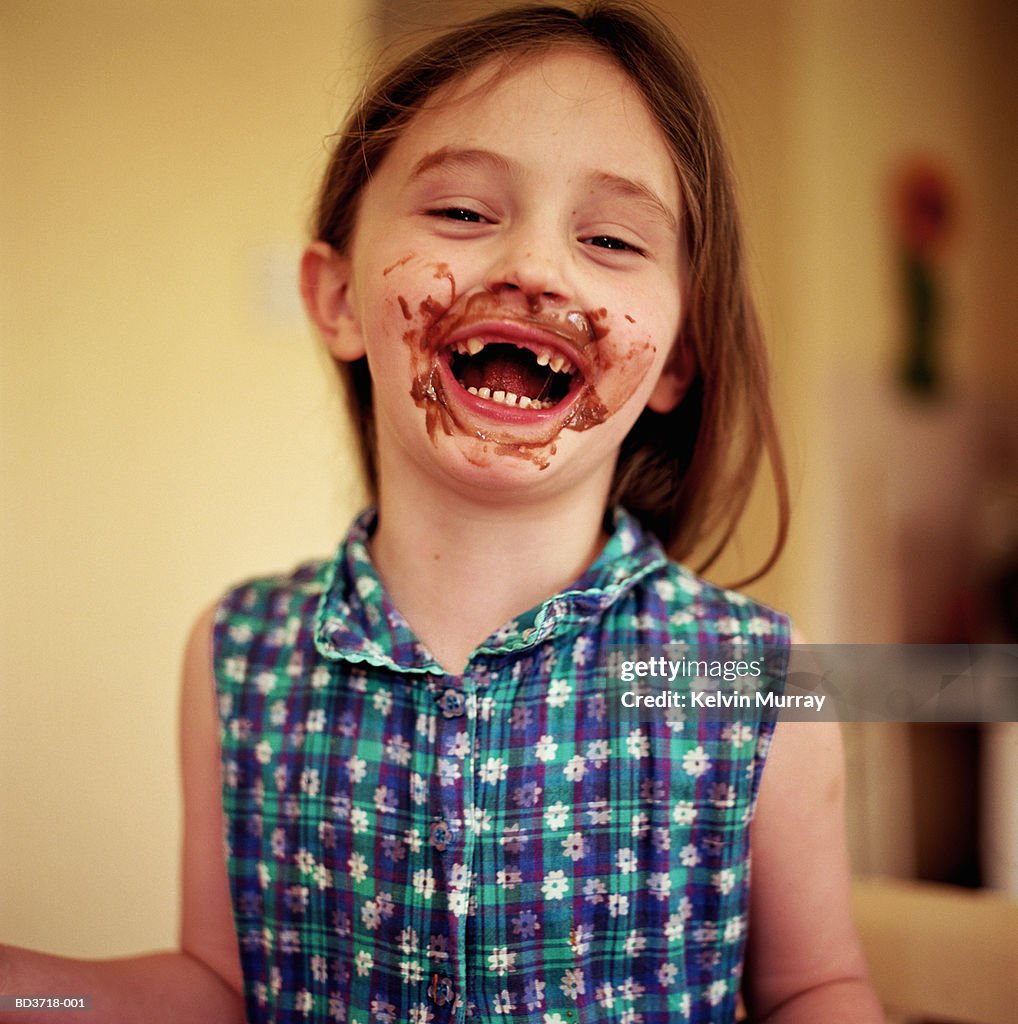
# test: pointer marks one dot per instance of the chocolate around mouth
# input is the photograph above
(511, 374)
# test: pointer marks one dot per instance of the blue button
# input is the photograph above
(452, 703)
(440, 990)
(441, 835)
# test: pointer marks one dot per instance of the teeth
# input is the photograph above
(509, 398)
(554, 361)
(470, 347)
(546, 357)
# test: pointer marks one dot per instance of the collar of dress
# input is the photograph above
(357, 621)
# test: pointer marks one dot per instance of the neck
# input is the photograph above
(459, 567)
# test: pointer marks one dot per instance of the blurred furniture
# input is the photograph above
(939, 952)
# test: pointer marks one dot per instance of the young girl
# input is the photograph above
(527, 265)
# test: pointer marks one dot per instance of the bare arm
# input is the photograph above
(199, 983)
(207, 930)
(804, 961)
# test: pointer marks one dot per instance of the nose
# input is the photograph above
(532, 264)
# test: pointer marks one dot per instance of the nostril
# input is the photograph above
(534, 296)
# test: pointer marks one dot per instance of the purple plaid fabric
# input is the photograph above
(410, 846)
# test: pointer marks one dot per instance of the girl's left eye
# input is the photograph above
(611, 242)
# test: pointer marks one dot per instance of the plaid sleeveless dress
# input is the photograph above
(512, 843)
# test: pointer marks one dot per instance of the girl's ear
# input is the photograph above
(675, 379)
(325, 288)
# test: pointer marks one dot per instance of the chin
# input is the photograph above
(510, 473)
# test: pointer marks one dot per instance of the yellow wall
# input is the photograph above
(167, 426)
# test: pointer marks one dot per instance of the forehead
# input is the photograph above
(567, 104)
(575, 74)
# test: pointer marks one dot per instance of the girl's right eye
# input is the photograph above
(458, 213)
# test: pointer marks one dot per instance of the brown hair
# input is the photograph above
(688, 474)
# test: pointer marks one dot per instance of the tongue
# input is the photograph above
(501, 373)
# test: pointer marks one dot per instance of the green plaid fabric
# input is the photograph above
(511, 843)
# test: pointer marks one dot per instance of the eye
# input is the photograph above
(458, 213)
(611, 242)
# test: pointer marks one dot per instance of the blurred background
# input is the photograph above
(168, 426)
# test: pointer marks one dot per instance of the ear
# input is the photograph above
(325, 288)
(675, 379)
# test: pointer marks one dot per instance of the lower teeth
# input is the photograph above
(509, 398)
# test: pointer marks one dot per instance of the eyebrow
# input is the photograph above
(450, 156)
(625, 188)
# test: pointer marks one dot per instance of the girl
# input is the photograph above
(527, 265)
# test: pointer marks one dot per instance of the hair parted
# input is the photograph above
(686, 475)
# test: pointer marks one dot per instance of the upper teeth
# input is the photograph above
(545, 356)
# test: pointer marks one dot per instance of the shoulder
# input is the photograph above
(667, 590)
(261, 622)
(273, 594)
(261, 601)
(715, 611)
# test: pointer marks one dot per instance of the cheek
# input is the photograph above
(629, 362)
(409, 297)
(647, 329)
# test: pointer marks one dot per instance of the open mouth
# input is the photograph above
(513, 375)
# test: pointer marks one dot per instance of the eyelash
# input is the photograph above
(465, 215)
(459, 213)
(615, 244)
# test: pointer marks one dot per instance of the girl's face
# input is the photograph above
(515, 278)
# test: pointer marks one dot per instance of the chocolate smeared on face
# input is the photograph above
(599, 323)
(579, 322)
(442, 271)
(401, 262)
(522, 376)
